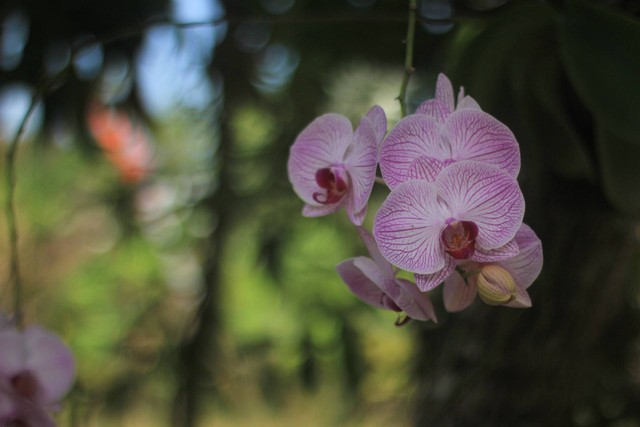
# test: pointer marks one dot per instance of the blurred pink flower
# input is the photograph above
(35, 366)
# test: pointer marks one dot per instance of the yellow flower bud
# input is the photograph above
(495, 285)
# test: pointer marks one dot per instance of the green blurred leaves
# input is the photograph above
(600, 50)
(566, 81)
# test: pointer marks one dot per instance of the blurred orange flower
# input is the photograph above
(125, 145)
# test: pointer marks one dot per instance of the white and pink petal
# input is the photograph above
(486, 196)
(413, 137)
(407, 228)
(444, 92)
(313, 211)
(414, 303)
(385, 267)
(51, 361)
(476, 135)
(425, 168)
(435, 109)
(458, 295)
(359, 284)
(492, 255)
(427, 282)
(378, 120)
(527, 265)
(323, 143)
(361, 161)
(522, 299)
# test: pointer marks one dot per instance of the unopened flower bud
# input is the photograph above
(495, 285)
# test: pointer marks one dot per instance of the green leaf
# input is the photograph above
(554, 126)
(600, 50)
(484, 63)
(618, 160)
(513, 69)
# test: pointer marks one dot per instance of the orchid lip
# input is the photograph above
(332, 182)
(25, 384)
(458, 238)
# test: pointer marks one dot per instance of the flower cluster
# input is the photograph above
(454, 212)
(36, 371)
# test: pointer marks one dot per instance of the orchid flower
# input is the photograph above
(471, 211)
(15, 411)
(423, 144)
(520, 270)
(35, 366)
(331, 166)
(373, 281)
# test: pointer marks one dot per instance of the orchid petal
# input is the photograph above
(522, 299)
(359, 284)
(427, 282)
(413, 137)
(22, 412)
(476, 135)
(385, 267)
(5, 321)
(435, 109)
(378, 120)
(357, 217)
(12, 352)
(369, 268)
(526, 266)
(321, 144)
(491, 255)
(426, 168)
(486, 196)
(444, 92)
(312, 211)
(413, 302)
(458, 295)
(361, 162)
(407, 228)
(51, 361)
(467, 102)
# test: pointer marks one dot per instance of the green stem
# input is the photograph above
(408, 58)
(10, 176)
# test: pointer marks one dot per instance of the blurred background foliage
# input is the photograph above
(160, 237)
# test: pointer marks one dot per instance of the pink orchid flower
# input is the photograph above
(35, 366)
(423, 144)
(524, 268)
(471, 211)
(18, 412)
(373, 281)
(331, 166)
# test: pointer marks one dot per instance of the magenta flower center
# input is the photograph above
(459, 238)
(25, 384)
(333, 186)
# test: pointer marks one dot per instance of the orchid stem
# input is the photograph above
(408, 58)
(14, 264)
